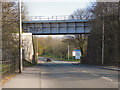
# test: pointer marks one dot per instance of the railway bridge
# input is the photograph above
(56, 25)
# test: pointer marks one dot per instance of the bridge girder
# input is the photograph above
(53, 27)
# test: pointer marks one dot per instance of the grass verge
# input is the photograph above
(7, 79)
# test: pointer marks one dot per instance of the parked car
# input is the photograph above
(49, 60)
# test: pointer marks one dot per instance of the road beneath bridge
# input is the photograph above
(63, 74)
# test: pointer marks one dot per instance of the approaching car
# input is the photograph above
(49, 60)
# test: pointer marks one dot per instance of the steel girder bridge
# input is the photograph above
(56, 25)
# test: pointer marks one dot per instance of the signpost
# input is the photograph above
(77, 54)
(73, 53)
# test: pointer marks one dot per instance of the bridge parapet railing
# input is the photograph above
(66, 17)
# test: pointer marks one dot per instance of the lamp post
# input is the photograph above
(20, 39)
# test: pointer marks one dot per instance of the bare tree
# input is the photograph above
(79, 41)
(103, 13)
(80, 14)
(10, 27)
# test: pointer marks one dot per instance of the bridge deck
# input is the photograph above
(52, 21)
(55, 27)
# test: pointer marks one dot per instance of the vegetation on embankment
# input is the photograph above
(105, 29)
(105, 23)
(28, 64)
(56, 47)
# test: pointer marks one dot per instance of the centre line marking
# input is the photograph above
(107, 78)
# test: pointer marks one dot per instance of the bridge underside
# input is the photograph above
(53, 27)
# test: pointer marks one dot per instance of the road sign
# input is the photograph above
(77, 54)
(37, 53)
(21, 46)
(73, 53)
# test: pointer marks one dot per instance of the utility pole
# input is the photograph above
(20, 39)
(68, 52)
(45, 48)
(1, 39)
(118, 32)
(37, 47)
(103, 40)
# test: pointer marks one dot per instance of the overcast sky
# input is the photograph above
(54, 8)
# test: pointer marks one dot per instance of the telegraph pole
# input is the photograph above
(1, 39)
(37, 47)
(68, 52)
(103, 40)
(20, 39)
(118, 32)
(45, 48)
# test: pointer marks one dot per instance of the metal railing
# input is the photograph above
(9, 67)
(65, 17)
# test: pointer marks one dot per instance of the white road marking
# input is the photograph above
(62, 62)
(107, 78)
(94, 74)
(73, 71)
(42, 73)
(84, 71)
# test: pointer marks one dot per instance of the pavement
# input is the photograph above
(29, 78)
(114, 68)
(57, 74)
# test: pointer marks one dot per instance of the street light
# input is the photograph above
(20, 39)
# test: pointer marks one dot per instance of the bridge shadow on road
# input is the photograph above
(61, 75)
